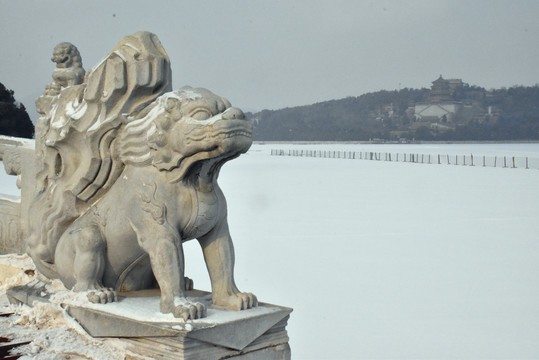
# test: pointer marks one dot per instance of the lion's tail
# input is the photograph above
(47, 269)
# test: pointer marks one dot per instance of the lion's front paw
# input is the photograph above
(239, 301)
(190, 311)
(102, 296)
(185, 309)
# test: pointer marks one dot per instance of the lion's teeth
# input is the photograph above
(236, 133)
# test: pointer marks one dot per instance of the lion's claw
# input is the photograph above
(181, 307)
(103, 296)
(190, 311)
(248, 301)
(239, 301)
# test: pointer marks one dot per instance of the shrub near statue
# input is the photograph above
(127, 171)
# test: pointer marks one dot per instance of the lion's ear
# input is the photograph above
(172, 104)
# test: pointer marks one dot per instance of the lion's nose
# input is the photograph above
(233, 113)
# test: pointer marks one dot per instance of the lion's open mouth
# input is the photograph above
(238, 141)
(222, 135)
(234, 133)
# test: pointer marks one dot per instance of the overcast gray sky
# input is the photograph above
(274, 54)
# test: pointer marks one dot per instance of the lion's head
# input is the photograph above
(66, 55)
(185, 127)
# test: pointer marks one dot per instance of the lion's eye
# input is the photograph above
(200, 114)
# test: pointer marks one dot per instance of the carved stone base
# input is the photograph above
(271, 345)
(258, 333)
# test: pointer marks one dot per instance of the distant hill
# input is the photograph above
(450, 110)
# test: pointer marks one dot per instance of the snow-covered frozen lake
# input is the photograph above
(388, 260)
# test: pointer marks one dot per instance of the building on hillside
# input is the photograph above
(441, 106)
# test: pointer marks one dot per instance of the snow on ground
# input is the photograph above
(388, 260)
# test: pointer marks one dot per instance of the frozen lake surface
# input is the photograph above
(390, 260)
(387, 260)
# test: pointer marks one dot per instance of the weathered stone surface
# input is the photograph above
(273, 345)
(15, 154)
(267, 341)
(102, 324)
(10, 236)
(26, 294)
(257, 333)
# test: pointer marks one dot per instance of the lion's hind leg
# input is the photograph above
(81, 261)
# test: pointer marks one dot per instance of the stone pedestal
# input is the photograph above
(258, 333)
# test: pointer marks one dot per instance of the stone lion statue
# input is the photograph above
(127, 172)
(68, 72)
